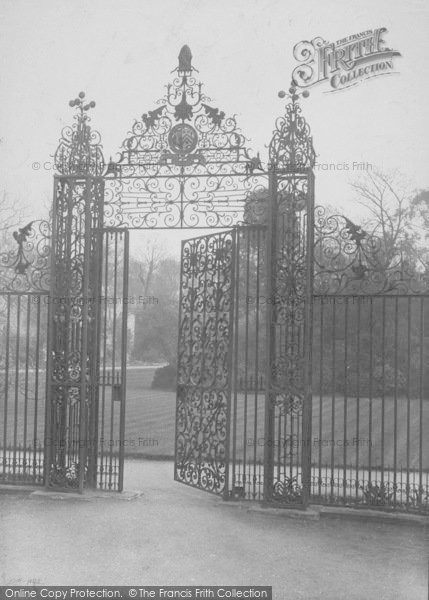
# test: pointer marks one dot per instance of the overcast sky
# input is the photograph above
(121, 54)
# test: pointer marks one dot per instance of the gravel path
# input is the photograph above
(174, 535)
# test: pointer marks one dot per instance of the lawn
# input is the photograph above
(340, 435)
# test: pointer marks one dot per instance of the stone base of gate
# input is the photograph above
(372, 515)
(87, 496)
(17, 489)
(315, 512)
(311, 514)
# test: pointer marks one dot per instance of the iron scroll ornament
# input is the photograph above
(183, 164)
(350, 260)
(26, 267)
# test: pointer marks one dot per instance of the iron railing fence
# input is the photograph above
(342, 486)
(23, 338)
(370, 414)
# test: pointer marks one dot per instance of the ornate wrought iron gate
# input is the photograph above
(204, 362)
(221, 355)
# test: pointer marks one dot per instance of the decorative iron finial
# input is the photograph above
(20, 237)
(79, 151)
(185, 59)
(293, 93)
(79, 103)
(291, 146)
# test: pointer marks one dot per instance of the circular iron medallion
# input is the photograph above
(183, 138)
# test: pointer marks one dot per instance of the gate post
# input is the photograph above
(72, 378)
(288, 411)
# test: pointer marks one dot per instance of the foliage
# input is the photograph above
(154, 283)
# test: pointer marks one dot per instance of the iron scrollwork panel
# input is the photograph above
(26, 267)
(351, 260)
(183, 164)
(204, 357)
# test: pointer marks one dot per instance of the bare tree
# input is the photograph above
(148, 263)
(387, 199)
(11, 217)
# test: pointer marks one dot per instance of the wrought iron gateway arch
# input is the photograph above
(183, 165)
(289, 391)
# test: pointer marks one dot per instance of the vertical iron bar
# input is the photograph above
(358, 394)
(123, 359)
(36, 390)
(17, 350)
(333, 397)
(112, 403)
(234, 236)
(421, 369)
(236, 338)
(103, 315)
(203, 362)
(346, 315)
(269, 408)
(179, 384)
(395, 418)
(255, 429)
(408, 399)
(246, 357)
(321, 382)
(383, 385)
(27, 355)
(96, 281)
(6, 390)
(370, 412)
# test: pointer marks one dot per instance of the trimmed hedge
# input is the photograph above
(164, 378)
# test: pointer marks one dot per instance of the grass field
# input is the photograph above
(340, 436)
(150, 416)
